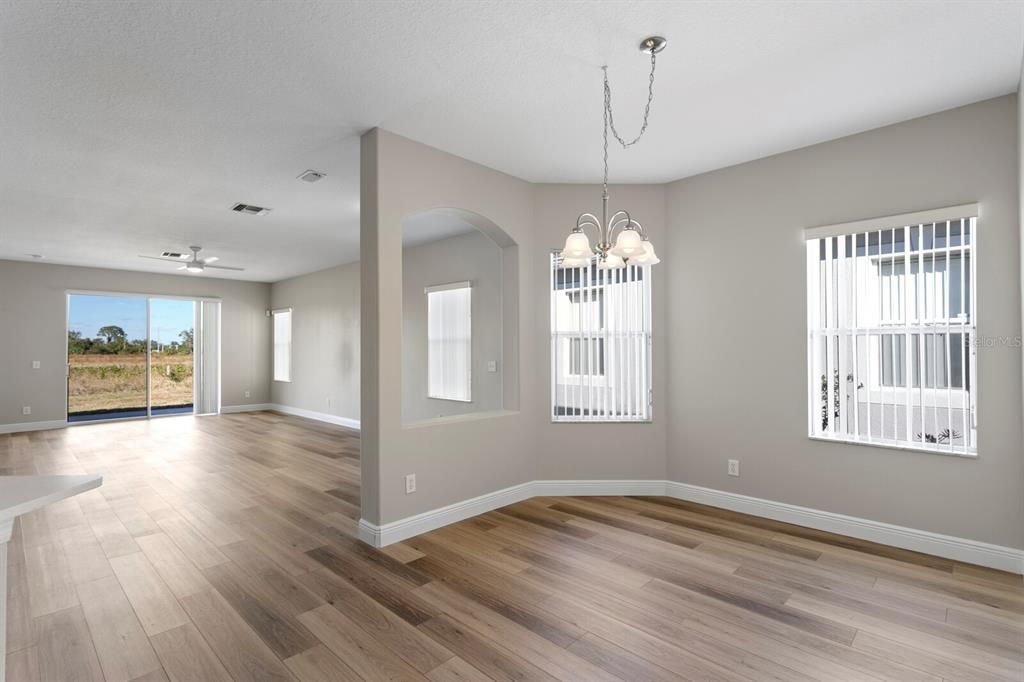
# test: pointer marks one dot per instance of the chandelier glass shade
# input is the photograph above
(620, 239)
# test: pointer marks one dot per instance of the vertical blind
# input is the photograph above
(600, 343)
(207, 342)
(892, 336)
(282, 344)
(449, 341)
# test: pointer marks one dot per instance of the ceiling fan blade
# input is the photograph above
(211, 259)
(224, 267)
(166, 260)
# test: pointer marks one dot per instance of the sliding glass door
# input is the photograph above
(140, 356)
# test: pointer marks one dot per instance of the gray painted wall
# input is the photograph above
(466, 456)
(33, 308)
(325, 341)
(1020, 204)
(734, 395)
(471, 257)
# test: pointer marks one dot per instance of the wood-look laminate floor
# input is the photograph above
(222, 548)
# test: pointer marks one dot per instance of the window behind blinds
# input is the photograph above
(449, 341)
(282, 344)
(892, 336)
(600, 344)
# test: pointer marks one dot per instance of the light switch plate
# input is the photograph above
(35, 364)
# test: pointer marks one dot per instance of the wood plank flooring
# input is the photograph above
(223, 548)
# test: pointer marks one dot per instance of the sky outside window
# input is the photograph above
(170, 316)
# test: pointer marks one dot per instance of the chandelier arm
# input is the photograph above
(588, 220)
(620, 220)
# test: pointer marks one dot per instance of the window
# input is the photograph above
(600, 344)
(891, 358)
(282, 344)
(449, 341)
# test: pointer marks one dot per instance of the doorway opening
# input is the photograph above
(136, 356)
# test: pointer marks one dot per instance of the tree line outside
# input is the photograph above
(112, 340)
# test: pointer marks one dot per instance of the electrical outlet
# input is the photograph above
(35, 364)
(26, 410)
(492, 366)
(248, 394)
(410, 484)
(734, 467)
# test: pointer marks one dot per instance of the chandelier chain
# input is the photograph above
(609, 117)
(647, 107)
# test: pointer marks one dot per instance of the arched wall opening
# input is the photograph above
(460, 305)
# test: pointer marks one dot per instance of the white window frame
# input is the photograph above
(622, 326)
(283, 375)
(436, 393)
(910, 304)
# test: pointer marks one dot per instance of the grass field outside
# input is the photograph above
(116, 382)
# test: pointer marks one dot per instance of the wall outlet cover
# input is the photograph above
(734, 467)
(26, 410)
(35, 364)
(410, 484)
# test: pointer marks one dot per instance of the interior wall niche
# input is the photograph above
(459, 316)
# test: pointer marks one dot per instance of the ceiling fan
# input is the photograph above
(196, 264)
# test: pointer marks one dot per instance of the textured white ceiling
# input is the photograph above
(131, 127)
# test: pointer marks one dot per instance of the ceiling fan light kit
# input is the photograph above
(195, 264)
(631, 244)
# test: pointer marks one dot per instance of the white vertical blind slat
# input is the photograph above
(908, 370)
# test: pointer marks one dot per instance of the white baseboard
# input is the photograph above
(596, 487)
(318, 416)
(256, 407)
(33, 426)
(946, 546)
(396, 531)
(293, 411)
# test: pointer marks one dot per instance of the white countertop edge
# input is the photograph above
(65, 486)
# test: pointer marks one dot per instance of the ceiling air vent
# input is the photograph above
(172, 254)
(312, 176)
(250, 210)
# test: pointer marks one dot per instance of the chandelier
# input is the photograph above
(631, 242)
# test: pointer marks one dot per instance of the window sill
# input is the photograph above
(926, 448)
(460, 418)
(616, 422)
